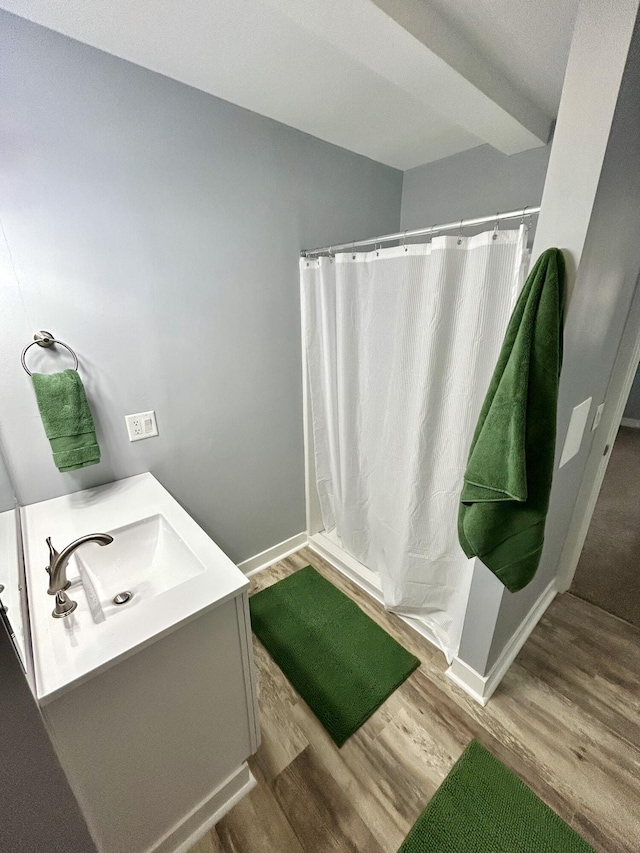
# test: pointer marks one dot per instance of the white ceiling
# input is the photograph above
(404, 82)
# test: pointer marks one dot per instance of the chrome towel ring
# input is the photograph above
(46, 339)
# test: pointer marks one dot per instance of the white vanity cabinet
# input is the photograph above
(152, 711)
(155, 747)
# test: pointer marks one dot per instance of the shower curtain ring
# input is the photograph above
(353, 251)
(404, 241)
(460, 233)
(496, 226)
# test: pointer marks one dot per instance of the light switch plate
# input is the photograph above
(575, 431)
(141, 425)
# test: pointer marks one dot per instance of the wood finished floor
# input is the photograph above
(566, 719)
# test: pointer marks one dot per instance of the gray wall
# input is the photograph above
(477, 182)
(607, 275)
(156, 229)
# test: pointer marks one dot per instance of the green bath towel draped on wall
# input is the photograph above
(67, 419)
(505, 495)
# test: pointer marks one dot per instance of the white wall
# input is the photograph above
(156, 229)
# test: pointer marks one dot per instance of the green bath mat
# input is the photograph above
(481, 807)
(339, 660)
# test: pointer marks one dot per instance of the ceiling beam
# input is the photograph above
(410, 45)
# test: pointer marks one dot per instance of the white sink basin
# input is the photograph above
(159, 553)
(146, 558)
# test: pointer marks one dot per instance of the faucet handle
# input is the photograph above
(53, 554)
(64, 605)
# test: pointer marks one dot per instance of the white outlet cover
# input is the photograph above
(141, 425)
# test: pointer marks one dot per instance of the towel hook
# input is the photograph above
(45, 339)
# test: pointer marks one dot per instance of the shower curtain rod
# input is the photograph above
(421, 232)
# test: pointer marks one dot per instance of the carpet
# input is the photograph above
(607, 573)
(341, 662)
(482, 807)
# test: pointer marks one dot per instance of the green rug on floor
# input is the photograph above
(340, 661)
(481, 807)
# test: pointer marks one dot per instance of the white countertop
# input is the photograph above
(71, 650)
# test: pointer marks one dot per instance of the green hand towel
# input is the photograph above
(67, 419)
(505, 496)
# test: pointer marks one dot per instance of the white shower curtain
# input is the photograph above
(401, 344)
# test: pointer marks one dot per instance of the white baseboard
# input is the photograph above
(630, 422)
(468, 680)
(273, 554)
(330, 551)
(482, 687)
(182, 837)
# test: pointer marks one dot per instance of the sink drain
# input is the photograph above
(122, 597)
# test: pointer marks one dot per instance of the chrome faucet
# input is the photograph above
(57, 570)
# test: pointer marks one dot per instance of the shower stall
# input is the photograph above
(399, 345)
